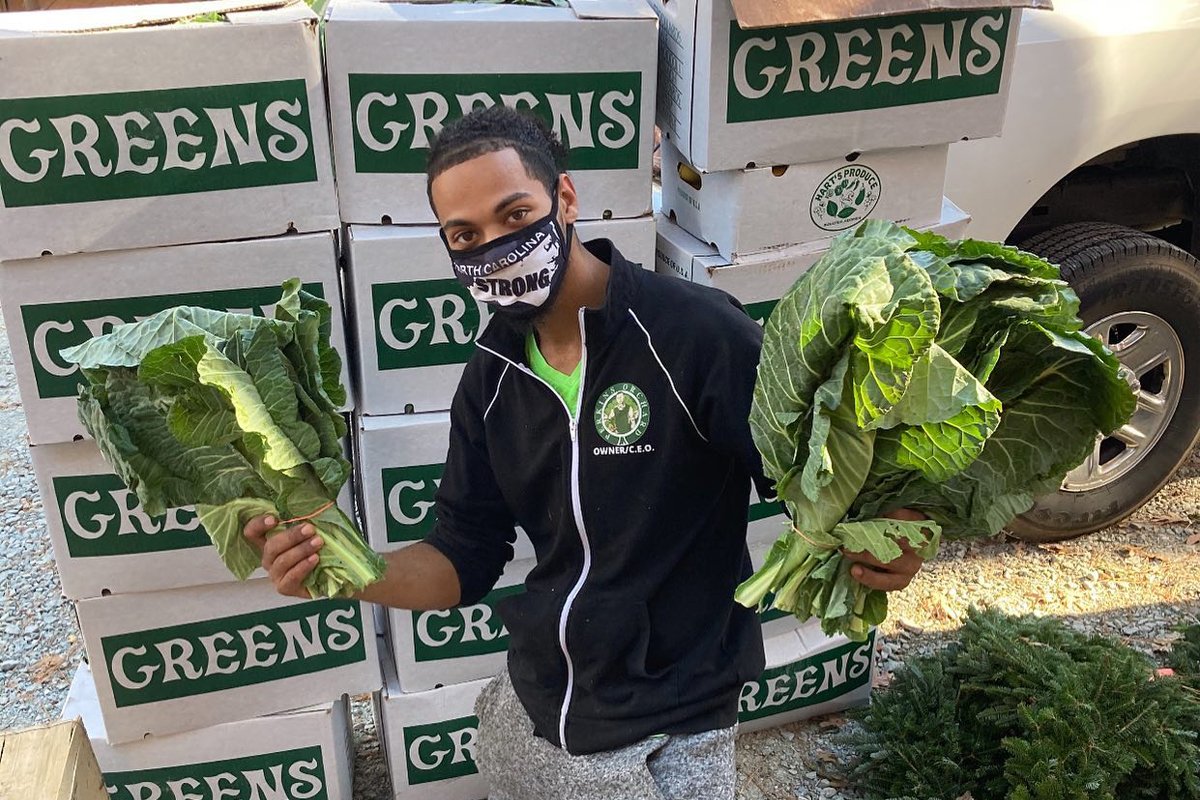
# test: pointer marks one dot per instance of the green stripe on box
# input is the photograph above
(597, 115)
(212, 655)
(119, 145)
(440, 750)
(53, 327)
(102, 517)
(809, 681)
(464, 631)
(284, 774)
(861, 65)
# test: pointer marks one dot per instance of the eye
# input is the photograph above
(463, 239)
(518, 215)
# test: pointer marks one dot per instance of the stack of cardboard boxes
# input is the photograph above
(786, 124)
(397, 72)
(146, 164)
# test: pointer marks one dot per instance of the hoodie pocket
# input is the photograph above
(534, 657)
(609, 640)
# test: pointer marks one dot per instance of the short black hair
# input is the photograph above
(490, 130)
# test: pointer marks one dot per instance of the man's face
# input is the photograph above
(491, 195)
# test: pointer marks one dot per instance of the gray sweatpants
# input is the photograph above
(522, 766)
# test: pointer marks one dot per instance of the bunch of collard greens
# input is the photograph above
(904, 370)
(236, 415)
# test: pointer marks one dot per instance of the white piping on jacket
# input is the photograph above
(670, 380)
(499, 383)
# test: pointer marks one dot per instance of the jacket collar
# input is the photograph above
(624, 280)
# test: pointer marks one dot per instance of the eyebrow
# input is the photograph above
(512, 198)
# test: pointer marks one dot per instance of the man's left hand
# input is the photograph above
(894, 575)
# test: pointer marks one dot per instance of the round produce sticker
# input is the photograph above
(845, 198)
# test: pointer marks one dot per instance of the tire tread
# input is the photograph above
(1079, 249)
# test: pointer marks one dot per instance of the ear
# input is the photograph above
(568, 200)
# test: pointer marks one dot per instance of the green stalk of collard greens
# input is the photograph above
(907, 370)
(237, 415)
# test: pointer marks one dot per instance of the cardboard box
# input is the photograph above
(807, 674)
(741, 212)
(399, 71)
(185, 659)
(50, 762)
(766, 521)
(794, 82)
(306, 753)
(415, 324)
(399, 461)
(458, 645)
(53, 303)
(104, 543)
(190, 135)
(429, 740)
(760, 280)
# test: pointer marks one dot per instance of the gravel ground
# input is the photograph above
(39, 639)
(1135, 582)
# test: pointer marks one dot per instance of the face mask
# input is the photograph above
(520, 273)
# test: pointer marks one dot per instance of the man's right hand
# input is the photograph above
(288, 556)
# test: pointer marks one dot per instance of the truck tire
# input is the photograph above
(1141, 296)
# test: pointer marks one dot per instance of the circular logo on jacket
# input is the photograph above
(622, 414)
(845, 198)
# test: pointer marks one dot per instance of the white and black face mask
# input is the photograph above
(519, 273)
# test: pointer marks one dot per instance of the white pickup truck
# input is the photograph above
(1099, 170)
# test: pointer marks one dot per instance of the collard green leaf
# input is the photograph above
(224, 524)
(880, 537)
(128, 344)
(316, 363)
(276, 384)
(329, 425)
(172, 366)
(890, 339)
(806, 336)
(1010, 259)
(332, 473)
(252, 414)
(943, 421)
(839, 457)
(203, 416)
(135, 437)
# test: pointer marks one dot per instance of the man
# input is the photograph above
(605, 411)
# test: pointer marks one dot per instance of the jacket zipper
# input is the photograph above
(577, 505)
(577, 508)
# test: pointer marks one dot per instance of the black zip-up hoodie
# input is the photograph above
(636, 510)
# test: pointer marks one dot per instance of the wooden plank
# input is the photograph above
(51, 762)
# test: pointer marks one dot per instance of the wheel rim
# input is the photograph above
(1151, 357)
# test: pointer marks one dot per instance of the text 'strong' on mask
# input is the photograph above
(519, 273)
